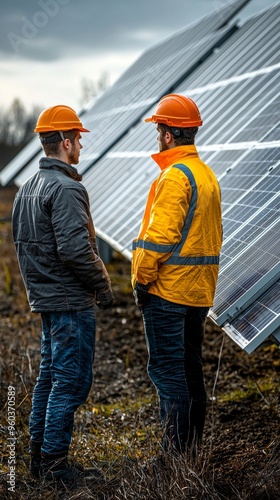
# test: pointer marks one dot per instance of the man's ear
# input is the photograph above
(66, 144)
(168, 137)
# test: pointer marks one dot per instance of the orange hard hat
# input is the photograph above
(176, 110)
(59, 118)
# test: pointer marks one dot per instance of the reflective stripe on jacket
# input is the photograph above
(180, 238)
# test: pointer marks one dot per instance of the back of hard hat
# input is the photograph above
(59, 117)
(176, 110)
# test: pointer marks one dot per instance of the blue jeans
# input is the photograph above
(174, 335)
(65, 378)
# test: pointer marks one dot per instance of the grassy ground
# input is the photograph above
(118, 427)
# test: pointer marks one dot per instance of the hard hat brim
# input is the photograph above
(174, 122)
(38, 130)
(83, 130)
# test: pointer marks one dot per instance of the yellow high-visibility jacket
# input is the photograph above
(177, 250)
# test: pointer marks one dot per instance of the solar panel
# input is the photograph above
(151, 76)
(20, 161)
(237, 90)
(258, 322)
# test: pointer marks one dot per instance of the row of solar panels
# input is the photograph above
(237, 89)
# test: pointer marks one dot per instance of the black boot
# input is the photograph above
(89, 472)
(197, 420)
(35, 459)
(59, 470)
(71, 474)
(174, 414)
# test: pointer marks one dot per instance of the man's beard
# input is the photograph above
(73, 158)
(162, 145)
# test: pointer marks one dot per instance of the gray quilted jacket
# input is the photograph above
(55, 240)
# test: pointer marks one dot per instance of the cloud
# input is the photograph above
(48, 46)
(49, 29)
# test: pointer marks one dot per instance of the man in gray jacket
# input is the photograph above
(64, 276)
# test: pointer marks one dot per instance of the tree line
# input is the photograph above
(17, 124)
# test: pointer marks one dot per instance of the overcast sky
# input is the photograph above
(48, 46)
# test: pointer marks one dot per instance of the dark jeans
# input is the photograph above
(174, 335)
(65, 378)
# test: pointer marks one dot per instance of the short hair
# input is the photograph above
(53, 148)
(186, 135)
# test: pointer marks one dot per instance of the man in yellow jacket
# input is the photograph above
(175, 268)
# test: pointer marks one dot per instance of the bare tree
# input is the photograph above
(92, 89)
(17, 125)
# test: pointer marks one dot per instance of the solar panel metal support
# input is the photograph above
(249, 297)
(275, 337)
(251, 345)
(267, 332)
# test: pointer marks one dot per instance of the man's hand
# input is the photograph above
(104, 298)
(141, 294)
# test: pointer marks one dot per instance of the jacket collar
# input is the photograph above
(55, 164)
(167, 158)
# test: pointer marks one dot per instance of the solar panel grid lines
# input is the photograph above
(118, 196)
(261, 39)
(226, 156)
(248, 269)
(172, 68)
(19, 162)
(252, 200)
(254, 203)
(196, 30)
(121, 207)
(231, 105)
(256, 240)
(122, 233)
(113, 243)
(250, 295)
(117, 167)
(223, 159)
(255, 235)
(239, 107)
(237, 219)
(260, 321)
(135, 139)
(257, 165)
(236, 50)
(178, 65)
(151, 69)
(251, 337)
(232, 79)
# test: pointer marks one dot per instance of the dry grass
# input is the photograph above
(118, 427)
